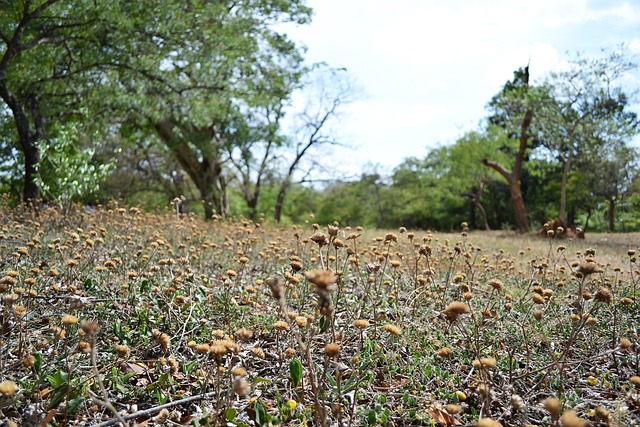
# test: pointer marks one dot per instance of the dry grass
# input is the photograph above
(120, 316)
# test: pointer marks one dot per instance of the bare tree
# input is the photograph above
(313, 127)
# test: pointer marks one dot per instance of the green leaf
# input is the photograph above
(230, 414)
(75, 404)
(295, 369)
(324, 324)
(371, 418)
(262, 416)
(37, 366)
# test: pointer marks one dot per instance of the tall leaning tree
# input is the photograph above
(513, 110)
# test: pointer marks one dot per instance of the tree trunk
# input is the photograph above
(518, 206)
(483, 214)
(612, 215)
(563, 190)
(28, 141)
(280, 199)
(519, 209)
(204, 171)
(586, 221)
(571, 219)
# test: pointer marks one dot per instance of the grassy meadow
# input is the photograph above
(119, 316)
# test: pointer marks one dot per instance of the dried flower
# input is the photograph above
(496, 284)
(454, 310)
(258, 352)
(244, 334)
(603, 295)
(452, 408)
(571, 419)
(516, 402)
(281, 325)
(239, 371)
(488, 422)
(584, 269)
(322, 279)
(392, 329)
(69, 319)
(90, 328)
(625, 343)
(8, 388)
(553, 406)
(123, 351)
(241, 386)
(360, 323)
(444, 352)
(484, 363)
(161, 338)
(332, 349)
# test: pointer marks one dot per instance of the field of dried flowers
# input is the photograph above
(118, 316)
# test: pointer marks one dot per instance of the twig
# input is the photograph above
(105, 399)
(153, 410)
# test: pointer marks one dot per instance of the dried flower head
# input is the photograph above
(452, 408)
(603, 295)
(484, 363)
(123, 351)
(258, 352)
(444, 352)
(239, 371)
(625, 343)
(496, 284)
(241, 386)
(488, 422)
(321, 279)
(553, 406)
(454, 310)
(571, 419)
(90, 328)
(602, 414)
(69, 319)
(586, 268)
(281, 325)
(8, 388)
(244, 334)
(302, 321)
(332, 349)
(161, 338)
(361, 323)
(392, 329)
(516, 402)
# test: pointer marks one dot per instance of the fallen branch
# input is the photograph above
(150, 411)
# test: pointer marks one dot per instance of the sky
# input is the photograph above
(425, 69)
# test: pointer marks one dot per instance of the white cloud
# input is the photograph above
(429, 67)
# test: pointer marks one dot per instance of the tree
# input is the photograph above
(513, 110)
(464, 174)
(188, 72)
(210, 67)
(585, 112)
(615, 170)
(47, 47)
(330, 91)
